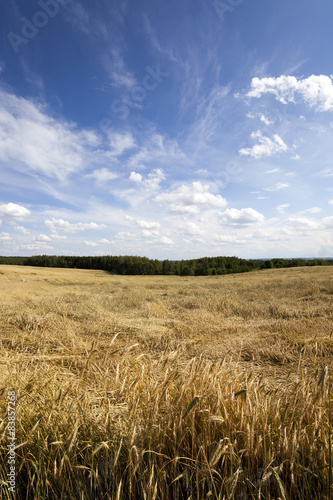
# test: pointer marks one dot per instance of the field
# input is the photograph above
(165, 387)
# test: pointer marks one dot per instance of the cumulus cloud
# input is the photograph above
(189, 227)
(63, 225)
(316, 90)
(13, 211)
(5, 237)
(103, 241)
(265, 146)
(245, 216)
(126, 236)
(21, 229)
(331, 202)
(91, 243)
(162, 240)
(42, 237)
(188, 198)
(37, 246)
(152, 181)
(143, 223)
(136, 177)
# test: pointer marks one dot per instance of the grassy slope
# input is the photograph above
(105, 369)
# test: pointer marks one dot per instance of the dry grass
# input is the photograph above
(167, 387)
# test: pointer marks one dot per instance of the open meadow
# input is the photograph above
(167, 387)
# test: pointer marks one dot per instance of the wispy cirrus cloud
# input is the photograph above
(49, 147)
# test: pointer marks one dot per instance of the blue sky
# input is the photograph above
(166, 129)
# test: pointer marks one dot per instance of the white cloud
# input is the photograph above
(143, 223)
(119, 75)
(296, 157)
(313, 210)
(261, 117)
(157, 149)
(163, 240)
(136, 177)
(47, 146)
(102, 175)
(316, 90)
(5, 237)
(278, 186)
(188, 198)
(62, 225)
(120, 142)
(126, 236)
(13, 211)
(103, 241)
(328, 222)
(226, 238)
(42, 237)
(91, 243)
(327, 172)
(303, 223)
(37, 246)
(55, 236)
(265, 146)
(265, 120)
(272, 171)
(147, 233)
(280, 208)
(189, 227)
(154, 178)
(152, 181)
(21, 229)
(244, 216)
(331, 202)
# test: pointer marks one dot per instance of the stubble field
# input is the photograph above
(165, 387)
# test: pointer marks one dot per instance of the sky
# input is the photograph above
(167, 129)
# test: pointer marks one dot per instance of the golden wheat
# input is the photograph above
(167, 387)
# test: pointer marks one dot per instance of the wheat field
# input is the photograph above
(166, 387)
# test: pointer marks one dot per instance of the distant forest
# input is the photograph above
(129, 265)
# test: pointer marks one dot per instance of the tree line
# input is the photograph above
(134, 265)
